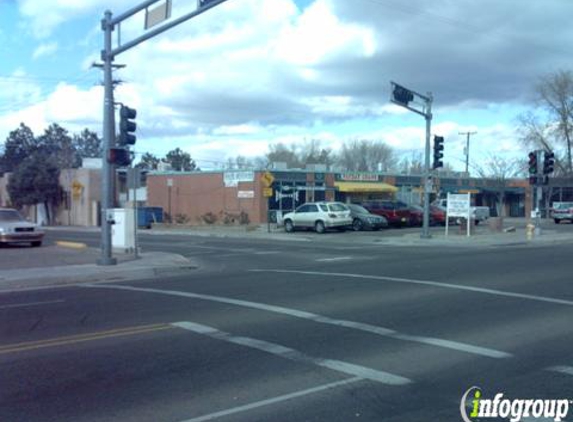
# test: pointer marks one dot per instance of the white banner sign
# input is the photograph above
(458, 205)
(246, 194)
(232, 178)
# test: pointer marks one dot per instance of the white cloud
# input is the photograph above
(45, 50)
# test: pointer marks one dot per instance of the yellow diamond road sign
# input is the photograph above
(267, 192)
(267, 179)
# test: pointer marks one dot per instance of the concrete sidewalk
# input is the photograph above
(482, 236)
(84, 270)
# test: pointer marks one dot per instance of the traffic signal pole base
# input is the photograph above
(104, 260)
(425, 236)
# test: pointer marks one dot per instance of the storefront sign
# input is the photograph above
(246, 194)
(357, 177)
(232, 178)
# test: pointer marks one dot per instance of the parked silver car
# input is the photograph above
(562, 211)
(15, 229)
(319, 216)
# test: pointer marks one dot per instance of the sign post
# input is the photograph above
(458, 205)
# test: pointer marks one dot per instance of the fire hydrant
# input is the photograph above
(529, 230)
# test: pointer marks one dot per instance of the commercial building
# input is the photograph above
(254, 196)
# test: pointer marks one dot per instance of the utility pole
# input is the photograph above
(468, 134)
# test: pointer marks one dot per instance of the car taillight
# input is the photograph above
(332, 215)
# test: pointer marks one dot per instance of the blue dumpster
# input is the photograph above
(146, 216)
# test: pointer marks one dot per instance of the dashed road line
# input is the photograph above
(567, 370)
(374, 329)
(295, 355)
(336, 258)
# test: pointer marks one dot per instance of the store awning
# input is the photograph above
(365, 187)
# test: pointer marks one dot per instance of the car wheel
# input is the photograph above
(36, 244)
(319, 227)
(357, 225)
(556, 221)
(289, 227)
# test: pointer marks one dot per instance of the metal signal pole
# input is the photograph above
(154, 18)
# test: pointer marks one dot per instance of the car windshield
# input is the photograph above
(563, 205)
(10, 215)
(358, 209)
(337, 207)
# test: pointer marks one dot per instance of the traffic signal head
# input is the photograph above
(127, 126)
(548, 162)
(402, 95)
(438, 152)
(120, 157)
(533, 163)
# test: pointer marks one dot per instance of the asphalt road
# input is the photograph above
(293, 331)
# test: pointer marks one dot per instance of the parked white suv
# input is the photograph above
(318, 216)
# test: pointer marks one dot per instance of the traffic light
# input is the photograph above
(532, 164)
(438, 152)
(127, 126)
(120, 157)
(548, 162)
(402, 95)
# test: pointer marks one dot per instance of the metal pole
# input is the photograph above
(135, 182)
(426, 223)
(108, 130)
(539, 193)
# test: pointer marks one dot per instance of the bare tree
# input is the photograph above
(550, 125)
(366, 155)
(500, 171)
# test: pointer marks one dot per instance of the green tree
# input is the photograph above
(180, 160)
(19, 145)
(148, 161)
(88, 144)
(57, 144)
(36, 181)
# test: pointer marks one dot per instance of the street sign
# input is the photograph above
(267, 192)
(246, 194)
(267, 179)
(458, 205)
(77, 188)
(169, 182)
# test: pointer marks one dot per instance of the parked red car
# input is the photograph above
(396, 212)
(437, 215)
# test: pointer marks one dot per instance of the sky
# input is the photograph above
(248, 73)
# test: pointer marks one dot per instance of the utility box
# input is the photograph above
(123, 230)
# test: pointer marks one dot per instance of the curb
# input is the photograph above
(77, 275)
(71, 245)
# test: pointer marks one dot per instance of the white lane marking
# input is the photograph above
(274, 400)
(336, 258)
(427, 283)
(267, 252)
(22, 305)
(567, 370)
(381, 331)
(294, 355)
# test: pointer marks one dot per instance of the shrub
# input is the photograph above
(209, 218)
